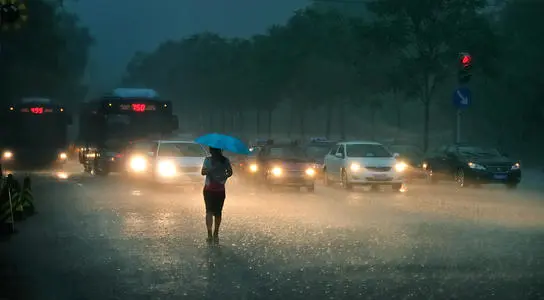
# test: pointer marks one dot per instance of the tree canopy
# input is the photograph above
(46, 56)
(336, 61)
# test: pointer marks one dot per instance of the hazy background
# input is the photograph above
(124, 27)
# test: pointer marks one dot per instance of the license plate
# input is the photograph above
(380, 176)
(500, 176)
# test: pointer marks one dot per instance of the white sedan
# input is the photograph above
(363, 163)
(166, 161)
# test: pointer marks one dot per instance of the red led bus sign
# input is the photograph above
(138, 107)
(36, 110)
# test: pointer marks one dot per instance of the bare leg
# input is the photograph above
(209, 223)
(217, 224)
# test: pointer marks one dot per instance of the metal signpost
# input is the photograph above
(462, 98)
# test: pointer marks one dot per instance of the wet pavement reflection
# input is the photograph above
(112, 238)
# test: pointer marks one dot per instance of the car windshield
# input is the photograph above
(478, 151)
(181, 150)
(318, 151)
(367, 150)
(406, 150)
(287, 152)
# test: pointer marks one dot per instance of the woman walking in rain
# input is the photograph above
(217, 170)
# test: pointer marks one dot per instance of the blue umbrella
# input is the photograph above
(225, 142)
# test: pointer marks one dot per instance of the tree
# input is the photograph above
(46, 57)
(430, 33)
(323, 55)
(522, 76)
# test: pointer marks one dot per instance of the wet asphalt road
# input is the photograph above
(108, 238)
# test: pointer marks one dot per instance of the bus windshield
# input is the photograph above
(133, 125)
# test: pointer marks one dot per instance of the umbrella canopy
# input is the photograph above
(224, 142)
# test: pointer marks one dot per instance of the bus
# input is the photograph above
(34, 133)
(109, 124)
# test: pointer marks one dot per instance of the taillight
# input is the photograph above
(118, 155)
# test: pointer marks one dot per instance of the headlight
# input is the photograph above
(475, 166)
(277, 171)
(253, 168)
(400, 167)
(355, 167)
(167, 169)
(138, 164)
(62, 175)
(63, 156)
(424, 166)
(516, 166)
(7, 155)
(310, 171)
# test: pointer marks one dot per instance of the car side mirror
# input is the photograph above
(339, 155)
(396, 155)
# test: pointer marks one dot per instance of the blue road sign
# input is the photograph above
(462, 97)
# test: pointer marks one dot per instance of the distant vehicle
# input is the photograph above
(110, 123)
(246, 167)
(285, 165)
(363, 163)
(471, 165)
(257, 144)
(319, 139)
(34, 132)
(413, 157)
(173, 162)
(317, 150)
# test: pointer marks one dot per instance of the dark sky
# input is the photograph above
(122, 27)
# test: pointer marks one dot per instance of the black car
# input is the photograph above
(471, 165)
(286, 165)
(411, 156)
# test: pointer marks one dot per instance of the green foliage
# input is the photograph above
(46, 57)
(320, 56)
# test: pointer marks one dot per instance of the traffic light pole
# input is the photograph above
(462, 95)
(458, 126)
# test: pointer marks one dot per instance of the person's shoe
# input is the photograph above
(216, 238)
(209, 239)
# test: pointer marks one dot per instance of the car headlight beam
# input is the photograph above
(310, 171)
(253, 168)
(475, 166)
(277, 171)
(138, 164)
(7, 155)
(63, 156)
(401, 167)
(355, 167)
(516, 166)
(167, 169)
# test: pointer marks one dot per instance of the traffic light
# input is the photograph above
(12, 14)
(465, 67)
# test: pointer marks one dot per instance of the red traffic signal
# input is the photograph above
(466, 59)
